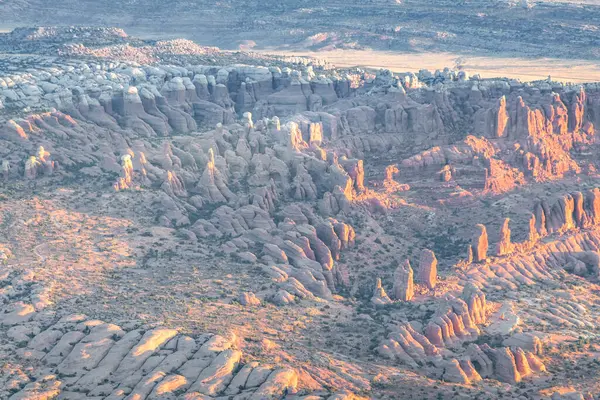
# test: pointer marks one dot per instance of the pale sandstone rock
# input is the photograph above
(280, 382)
(504, 321)
(145, 386)
(469, 370)
(218, 374)
(110, 362)
(526, 341)
(18, 313)
(22, 333)
(478, 357)
(283, 297)
(258, 376)
(521, 362)
(149, 344)
(169, 385)
(63, 348)
(535, 363)
(92, 349)
(239, 380)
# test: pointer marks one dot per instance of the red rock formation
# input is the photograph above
(403, 282)
(452, 322)
(479, 243)
(577, 111)
(592, 205)
(533, 234)
(501, 120)
(476, 303)
(500, 177)
(380, 297)
(469, 258)
(504, 245)
(505, 366)
(539, 210)
(509, 365)
(427, 269)
(446, 173)
(454, 373)
(356, 171)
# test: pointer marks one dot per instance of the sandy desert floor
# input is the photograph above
(487, 67)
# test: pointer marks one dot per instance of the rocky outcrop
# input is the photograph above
(212, 184)
(36, 165)
(380, 297)
(104, 359)
(572, 252)
(504, 245)
(452, 322)
(403, 282)
(409, 347)
(508, 365)
(576, 210)
(476, 303)
(569, 214)
(249, 299)
(427, 269)
(479, 243)
(460, 372)
(504, 364)
(277, 196)
(525, 341)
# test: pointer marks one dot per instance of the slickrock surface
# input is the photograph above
(181, 223)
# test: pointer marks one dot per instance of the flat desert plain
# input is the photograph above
(488, 67)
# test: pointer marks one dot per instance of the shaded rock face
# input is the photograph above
(427, 269)
(505, 364)
(453, 372)
(504, 245)
(408, 346)
(469, 258)
(570, 211)
(533, 234)
(508, 365)
(403, 282)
